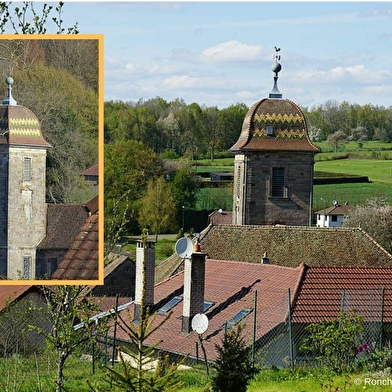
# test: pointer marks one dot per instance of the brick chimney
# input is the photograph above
(145, 268)
(194, 279)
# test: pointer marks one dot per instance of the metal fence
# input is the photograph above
(25, 359)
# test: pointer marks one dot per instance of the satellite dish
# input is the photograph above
(200, 323)
(184, 247)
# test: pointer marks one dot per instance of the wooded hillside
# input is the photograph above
(58, 81)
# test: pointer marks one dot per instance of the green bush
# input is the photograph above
(335, 343)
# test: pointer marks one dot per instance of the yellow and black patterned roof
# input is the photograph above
(274, 124)
(20, 126)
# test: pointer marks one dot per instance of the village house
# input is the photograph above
(334, 215)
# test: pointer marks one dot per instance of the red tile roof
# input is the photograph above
(231, 286)
(91, 171)
(81, 260)
(320, 295)
(10, 293)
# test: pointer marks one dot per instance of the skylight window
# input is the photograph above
(169, 305)
(207, 305)
(237, 318)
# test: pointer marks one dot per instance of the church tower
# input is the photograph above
(273, 165)
(22, 188)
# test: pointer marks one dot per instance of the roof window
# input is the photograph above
(237, 318)
(169, 305)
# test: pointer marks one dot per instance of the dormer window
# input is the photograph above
(270, 130)
(26, 169)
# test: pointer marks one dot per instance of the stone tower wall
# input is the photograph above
(259, 207)
(26, 210)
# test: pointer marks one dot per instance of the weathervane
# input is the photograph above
(276, 68)
(277, 56)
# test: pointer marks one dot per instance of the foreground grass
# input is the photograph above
(37, 373)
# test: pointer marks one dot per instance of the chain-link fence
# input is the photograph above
(276, 339)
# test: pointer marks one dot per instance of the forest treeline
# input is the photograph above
(143, 138)
(58, 81)
(175, 129)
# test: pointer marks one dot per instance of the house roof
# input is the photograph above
(10, 293)
(293, 245)
(337, 209)
(81, 260)
(220, 217)
(91, 171)
(271, 282)
(63, 225)
(320, 295)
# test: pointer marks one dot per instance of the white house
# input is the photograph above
(333, 216)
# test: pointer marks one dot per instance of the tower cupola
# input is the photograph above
(273, 166)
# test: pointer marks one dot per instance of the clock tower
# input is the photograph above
(22, 188)
(273, 165)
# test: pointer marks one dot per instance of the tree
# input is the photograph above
(129, 166)
(359, 135)
(335, 342)
(65, 309)
(375, 218)
(234, 366)
(27, 20)
(336, 139)
(68, 113)
(184, 187)
(157, 209)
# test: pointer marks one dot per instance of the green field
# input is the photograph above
(379, 172)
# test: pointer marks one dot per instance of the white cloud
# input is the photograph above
(231, 51)
(191, 82)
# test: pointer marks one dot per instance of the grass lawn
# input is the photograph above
(163, 248)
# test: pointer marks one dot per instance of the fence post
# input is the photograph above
(382, 316)
(290, 329)
(254, 326)
(115, 331)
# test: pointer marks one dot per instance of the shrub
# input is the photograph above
(335, 342)
(233, 365)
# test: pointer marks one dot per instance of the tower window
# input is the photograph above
(27, 169)
(26, 267)
(278, 182)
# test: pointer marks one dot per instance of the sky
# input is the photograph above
(221, 53)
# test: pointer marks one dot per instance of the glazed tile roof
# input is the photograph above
(291, 246)
(63, 225)
(288, 129)
(320, 296)
(270, 281)
(19, 125)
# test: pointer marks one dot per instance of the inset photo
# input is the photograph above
(50, 132)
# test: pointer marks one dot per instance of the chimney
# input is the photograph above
(145, 268)
(194, 279)
(265, 259)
